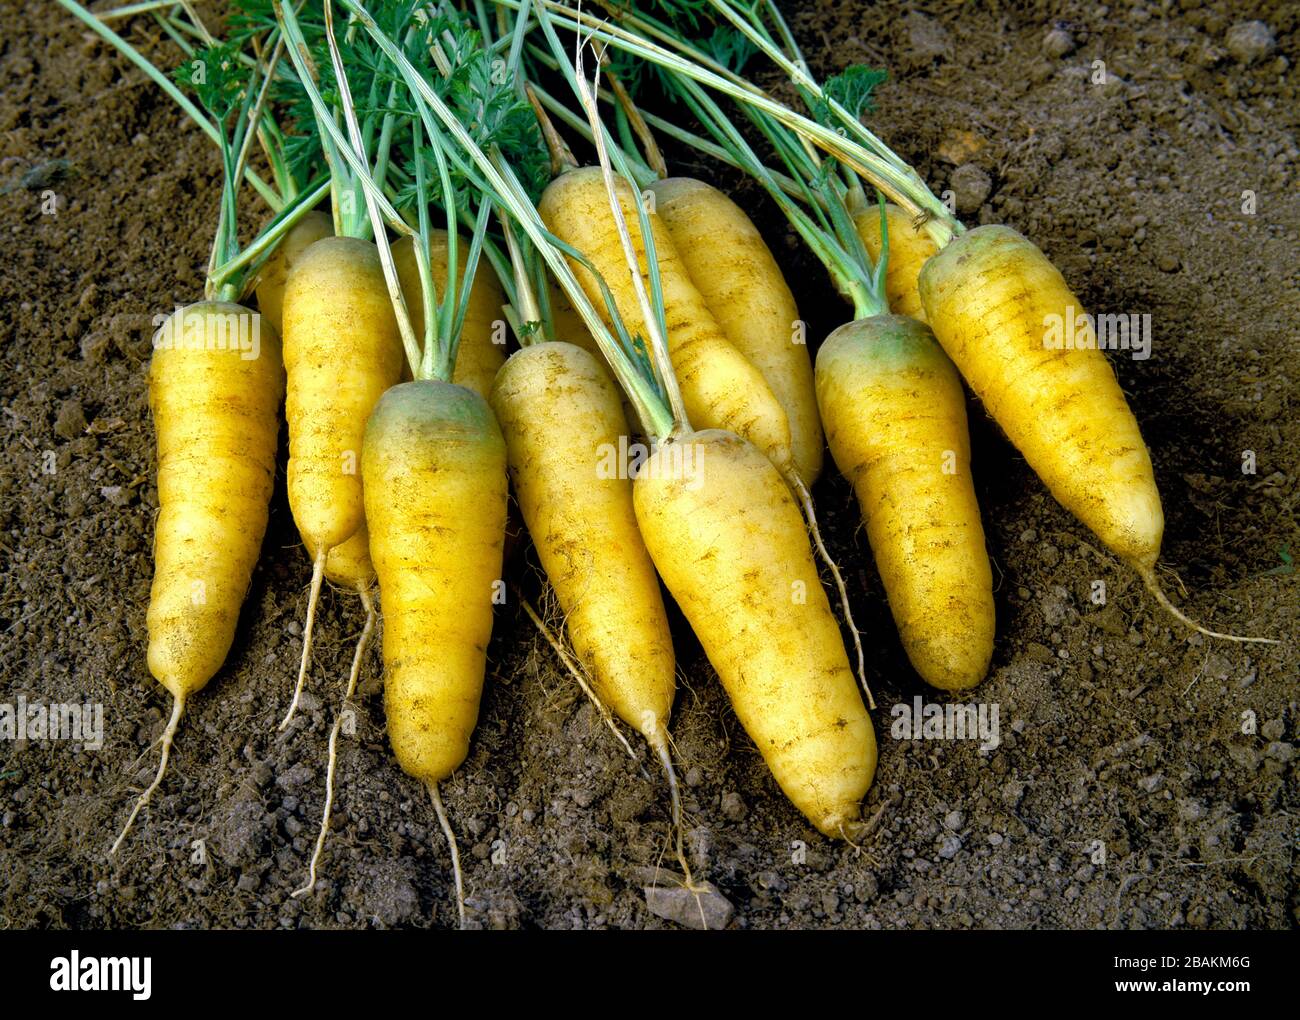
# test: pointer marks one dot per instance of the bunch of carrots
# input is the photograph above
(425, 204)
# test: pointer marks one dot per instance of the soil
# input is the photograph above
(1145, 777)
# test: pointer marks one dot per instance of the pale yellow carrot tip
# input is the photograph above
(856, 831)
(455, 850)
(1148, 576)
(178, 707)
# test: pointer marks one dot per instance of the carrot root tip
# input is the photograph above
(658, 742)
(805, 498)
(441, 812)
(332, 760)
(168, 735)
(317, 576)
(1149, 578)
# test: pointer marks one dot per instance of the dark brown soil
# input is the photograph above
(1118, 729)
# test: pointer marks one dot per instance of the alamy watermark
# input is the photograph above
(628, 460)
(1072, 332)
(933, 721)
(83, 724)
(207, 329)
(77, 973)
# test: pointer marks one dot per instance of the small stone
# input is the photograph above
(958, 146)
(1054, 611)
(115, 494)
(950, 848)
(1274, 729)
(702, 908)
(733, 808)
(694, 777)
(1249, 41)
(928, 38)
(970, 186)
(1167, 263)
(71, 420)
(295, 777)
(954, 820)
(995, 839)
(1058, 43)
(293, 628)
(770, 881)
(1281, 751)
(1151, 783)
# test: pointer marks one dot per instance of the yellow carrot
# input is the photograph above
(434, 465)
(341, 352)
(563, 419)
(215, 409)
(991, 297)
(895, 418)
(729, 542)
(735, 273)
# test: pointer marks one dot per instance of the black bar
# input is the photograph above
(336, 969)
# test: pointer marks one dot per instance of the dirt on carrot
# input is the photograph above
(1142, 777)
